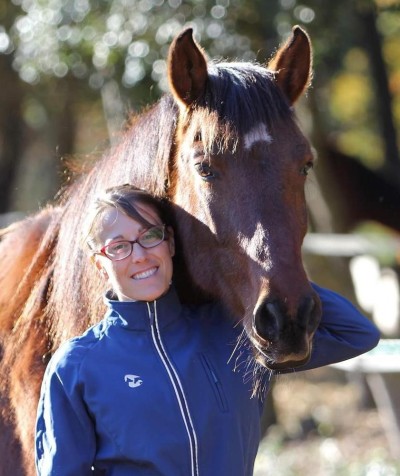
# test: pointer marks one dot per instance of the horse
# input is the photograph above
(224, 151)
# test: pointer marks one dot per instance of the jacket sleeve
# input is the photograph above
(65, 437)
(343, 332)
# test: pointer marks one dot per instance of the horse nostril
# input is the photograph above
(271, 322)
(308, 314)
(268, 321)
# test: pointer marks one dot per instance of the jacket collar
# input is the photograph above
(134, 315)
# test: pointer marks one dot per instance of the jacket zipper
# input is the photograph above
(219, 394)
(177, 386)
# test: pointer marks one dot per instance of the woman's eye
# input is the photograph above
(118, 247)
(151, 236)
(306, 169)
(204, 170)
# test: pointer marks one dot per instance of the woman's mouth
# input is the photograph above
(145, 274)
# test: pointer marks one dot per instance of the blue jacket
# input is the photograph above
(153, 390)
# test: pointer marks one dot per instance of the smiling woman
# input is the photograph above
(127, 224)
(183, 389)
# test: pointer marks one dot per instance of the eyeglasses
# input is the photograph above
(149, 238)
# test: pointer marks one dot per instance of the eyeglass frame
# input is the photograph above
(132, 242)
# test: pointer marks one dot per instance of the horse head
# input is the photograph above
(237, 184)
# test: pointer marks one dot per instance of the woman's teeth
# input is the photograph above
(145, 274)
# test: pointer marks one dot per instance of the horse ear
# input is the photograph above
(293, 64)
(187, 68)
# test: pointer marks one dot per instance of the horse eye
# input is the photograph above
(204, 170)
(304, 170)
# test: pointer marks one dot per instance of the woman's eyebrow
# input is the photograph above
(116, 237)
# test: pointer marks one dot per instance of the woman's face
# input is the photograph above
(146, 274)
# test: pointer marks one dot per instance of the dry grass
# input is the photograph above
(324, 429)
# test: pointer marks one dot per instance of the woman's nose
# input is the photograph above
(138, 252)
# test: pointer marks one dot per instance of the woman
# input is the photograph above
(151, 389)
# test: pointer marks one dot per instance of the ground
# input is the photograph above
(325, 428)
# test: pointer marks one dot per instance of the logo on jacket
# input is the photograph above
(133, 380)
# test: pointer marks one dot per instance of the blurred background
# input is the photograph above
(71, 72)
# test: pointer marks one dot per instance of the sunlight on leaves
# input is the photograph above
(362, 142)
(100, 40)
(350, 96)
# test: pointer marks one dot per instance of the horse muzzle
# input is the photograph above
(281, 339)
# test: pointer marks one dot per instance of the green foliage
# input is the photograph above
(102, 39)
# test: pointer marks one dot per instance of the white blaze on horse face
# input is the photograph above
(257, 248)
(258, 133)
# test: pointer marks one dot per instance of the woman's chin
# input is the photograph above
(150, 293)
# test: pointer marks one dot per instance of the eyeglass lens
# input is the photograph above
(148, 239)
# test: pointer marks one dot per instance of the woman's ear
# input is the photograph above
(171, 241)
(99, 266)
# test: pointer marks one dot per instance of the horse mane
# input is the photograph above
(24, 288)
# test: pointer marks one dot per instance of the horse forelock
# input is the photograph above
(238, 98)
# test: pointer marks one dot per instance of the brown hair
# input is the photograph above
(124, 198)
